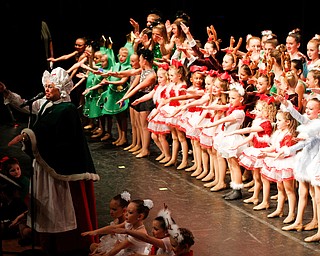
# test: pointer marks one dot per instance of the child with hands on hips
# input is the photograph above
(118, 206)
(137, 212)
(259, 136)
(280, 170)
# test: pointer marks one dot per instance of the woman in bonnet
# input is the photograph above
(63, 189)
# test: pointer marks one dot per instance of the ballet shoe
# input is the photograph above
(182, 166)
(196, 173)
(116, 141)
(275, 214)
(160, 157)
(293, 227)
(134, 149)
(170, 163)
(201, 175)
(217, 188)
(289, 219)
(274, 197)
(249, 184)
(310, 226)
(261, 206)
(106, 137)
(191, 168)
(136, 152)
(121, 143)
(165, 160)
(140, 155)
(314, 238)
(251, 190)
(251, 200)
(208, 178)
(211, 184)
(88, 127)
(235, 195)
(129, 147)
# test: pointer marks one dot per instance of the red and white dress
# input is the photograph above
(225, 144)
(169, 109)
(280, 169)
(249, 157)
(155, 125)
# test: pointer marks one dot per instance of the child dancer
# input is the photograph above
(160, 240)
(217, 85)
(176, 87)
(137, 212)
(232, 121)
(182, 240)
(118, 206)
(280, 170)
(309, 127)
(259, 135)
(158, 129)
(185, 112)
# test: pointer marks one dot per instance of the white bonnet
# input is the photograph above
(61, 79)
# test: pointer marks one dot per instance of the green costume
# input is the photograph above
(114, 92)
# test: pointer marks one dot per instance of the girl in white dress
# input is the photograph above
(137, 212)
(233, 120)
(259, 137)
(281, 170)
(307, 164)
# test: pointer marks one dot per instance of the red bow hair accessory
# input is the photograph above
(164, 66)
(246, 62)
(225, 76)
(266, 98)
(263, 71)
(176, 63)
(213, 73)
(196, 68)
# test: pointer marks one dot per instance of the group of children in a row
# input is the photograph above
(227, 110)
(127, 234)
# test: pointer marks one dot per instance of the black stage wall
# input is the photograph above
(22, 62)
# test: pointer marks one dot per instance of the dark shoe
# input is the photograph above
(236, 194)
(227, 194)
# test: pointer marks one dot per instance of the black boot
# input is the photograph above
(236, 194)
(227, 194)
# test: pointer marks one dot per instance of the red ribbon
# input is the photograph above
(246, 62)
(266, 98)
(164, 66)
(195, 68)
(213, 73)
(176, 63)
(225, 76)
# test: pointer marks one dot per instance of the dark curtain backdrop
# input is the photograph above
(20, 24)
